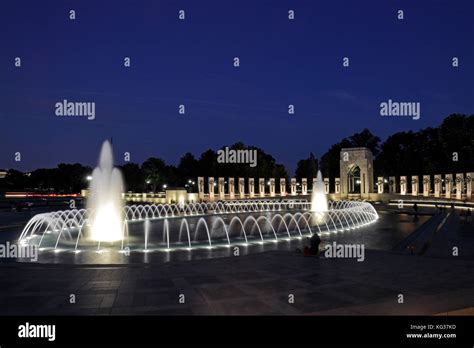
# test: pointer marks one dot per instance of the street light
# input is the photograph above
(89, 178)
(165, 186)
(148, 181)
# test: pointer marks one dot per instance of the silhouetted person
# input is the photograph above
(415, 208)
(314, 242)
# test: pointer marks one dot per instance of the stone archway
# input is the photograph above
(353, 179)
(357, 172)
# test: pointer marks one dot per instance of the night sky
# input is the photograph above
(190, 62)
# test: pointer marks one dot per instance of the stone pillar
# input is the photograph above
(426, 185)
(326, 185)
(210, 184)
(282, 187)
(414, 185)
(469, 185)
(304, 186)
(242, 187)
(403, 185)
(293, 186)
(200, 187)
(380, 184)
(251, 187)
(231, 188)
(272, 187)
(448, 185)
(437, 185)
(337, 186)
(459, 185)
(261, 187)
(392, 184)
(221, 188)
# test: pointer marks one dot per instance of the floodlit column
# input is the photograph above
(211, 184)
(251, 187)
(426, 185)
(326, 185)
(337, 185)
(414, 185)
(304, 186)
(392, 184)
(403, 185)
(448, 184)
(293, 186)
(221, 188)
(380, 184)
(242, 187)
(261, 187)
(272, 187)
(459, 185)
(469, 185)
(437, 185)
(282, 187)
(200, 187)
(231, 188)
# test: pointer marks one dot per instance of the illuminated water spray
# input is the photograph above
(105, 198)
(319, 202)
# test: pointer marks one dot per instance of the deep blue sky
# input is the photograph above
(190, 62)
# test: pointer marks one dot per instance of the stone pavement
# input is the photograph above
(256, 284)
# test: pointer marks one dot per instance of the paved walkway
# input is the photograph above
(250, 284)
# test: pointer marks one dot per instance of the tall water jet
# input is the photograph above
(319, 202)
(105, 198)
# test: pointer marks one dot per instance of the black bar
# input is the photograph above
(134, 331)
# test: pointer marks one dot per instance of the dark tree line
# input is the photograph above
(154, 173)
(448, 148)
(66, 178)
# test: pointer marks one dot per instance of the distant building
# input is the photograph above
(3, 173)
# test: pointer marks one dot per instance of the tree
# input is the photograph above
(445, 149)
(187, 168)
(16, 180)
(72, 177)
(154, 172)
(133, 176)
(307, 168)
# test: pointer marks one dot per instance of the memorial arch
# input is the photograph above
(357, 172)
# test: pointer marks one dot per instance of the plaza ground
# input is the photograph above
(256, 284)
(432, 280)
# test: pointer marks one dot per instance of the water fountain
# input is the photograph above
(319, 202)
(187, 226)
(105, 199)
